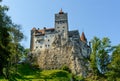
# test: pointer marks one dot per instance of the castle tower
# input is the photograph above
(61, 24)
(32, 39)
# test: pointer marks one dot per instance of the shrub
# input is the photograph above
(66, 68)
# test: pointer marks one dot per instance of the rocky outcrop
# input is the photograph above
(70, 54)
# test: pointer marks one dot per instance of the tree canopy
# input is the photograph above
(10, 36)
(105, 59)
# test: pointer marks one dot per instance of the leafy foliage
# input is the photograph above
(100, 56)
(114, 70)
(95, 46)
(10, 48)
(27, 73)
(105, 60)
(4, 38)
(66, 68)
(11, 52)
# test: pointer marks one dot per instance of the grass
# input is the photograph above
(26, 73)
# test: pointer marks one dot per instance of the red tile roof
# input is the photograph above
(50, 29)
(83, 38)
(42, 31)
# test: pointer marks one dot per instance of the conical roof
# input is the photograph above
(83, 38)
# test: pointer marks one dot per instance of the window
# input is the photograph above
(63, 30)
(40, 46)
(58, 27)
(45, 37)
(48, 45)
(61, 22)
(63, 26)
(36, 47)
(48, 40)
(38, 41)
(83, 48)
(45, 45)
(58, 30)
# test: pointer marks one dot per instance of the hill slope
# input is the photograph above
(26, 73)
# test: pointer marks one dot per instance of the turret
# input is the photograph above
(32, 39)
(83, 38)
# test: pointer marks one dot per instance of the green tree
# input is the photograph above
(114, 66)
(10, 48)
(4, 38)
(93, 58)
(16, 49)
(26, 52)
(103, 54)
(100, 55)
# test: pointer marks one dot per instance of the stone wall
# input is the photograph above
(70, 54)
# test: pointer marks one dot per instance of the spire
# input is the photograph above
(83, 38)
(61, 12)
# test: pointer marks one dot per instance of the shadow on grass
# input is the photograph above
(26, 69)
(58, 74)
(26, 73)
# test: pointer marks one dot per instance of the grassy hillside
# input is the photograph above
(27, 73)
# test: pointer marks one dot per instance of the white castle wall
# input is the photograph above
(43, 42)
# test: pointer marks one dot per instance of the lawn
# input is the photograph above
(27, 73)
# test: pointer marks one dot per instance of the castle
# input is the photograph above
(42, 39)
(54, 47)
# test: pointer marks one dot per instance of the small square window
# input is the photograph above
(58, 30)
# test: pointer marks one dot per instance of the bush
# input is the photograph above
(66, 68)
(78, 78)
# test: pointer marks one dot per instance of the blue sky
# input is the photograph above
(99, 18)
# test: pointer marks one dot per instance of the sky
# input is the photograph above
(99, 18)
